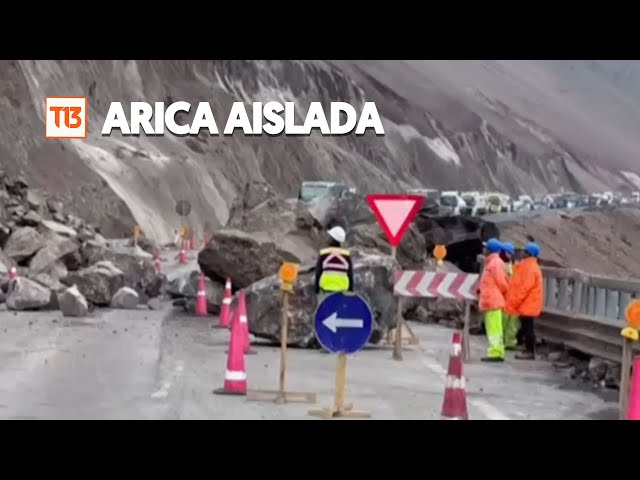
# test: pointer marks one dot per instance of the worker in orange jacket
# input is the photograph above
(493, 288)
(525, 297)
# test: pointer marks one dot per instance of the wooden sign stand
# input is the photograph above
(281, 396)
(340, 409)
(466, 337)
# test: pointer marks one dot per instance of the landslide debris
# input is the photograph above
(53, 250)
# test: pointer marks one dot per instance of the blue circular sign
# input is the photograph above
(343, 323)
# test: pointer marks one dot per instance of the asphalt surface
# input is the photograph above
(143, 364)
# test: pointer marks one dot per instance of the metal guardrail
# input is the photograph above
(586, 312)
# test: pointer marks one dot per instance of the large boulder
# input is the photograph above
(186, 287)
(347, 210)
(125, 298)
(411, 252)
(23, 243)
(247, 258)
(5, 232)
(59, 228)
(373, 279)
(136, 265)
(25, 294)
(98, 283)
(55, 248)
(72, 303)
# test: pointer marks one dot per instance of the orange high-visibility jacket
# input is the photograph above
(525, 295)
(493, 284)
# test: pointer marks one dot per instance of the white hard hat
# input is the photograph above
(338, 234)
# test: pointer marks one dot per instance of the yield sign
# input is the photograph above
(395, 213)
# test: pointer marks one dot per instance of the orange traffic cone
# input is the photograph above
(157, 262)
(225, 311)
(243, 321)
(235, 376)
(455, 398)
(634, 395)
(201, 297)
(13, 273)
(182, 256)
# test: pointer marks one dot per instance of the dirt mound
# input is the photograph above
(602, 242)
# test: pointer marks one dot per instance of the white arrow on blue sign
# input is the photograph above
(343, 323)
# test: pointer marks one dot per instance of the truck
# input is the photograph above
(451, 203)
(476, 203)
(313, 191)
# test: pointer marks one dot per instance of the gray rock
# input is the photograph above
(154, 304)
(85, 234)
(33, 200)
(597, 369)
(186, 286)
(5, 232)
(4, 273)
(58, 217)
(247, 258)
(55, 207)
(48, 281)
(72, 303)
(421, 314)
(555, 356)
(25, 294)
(373, 279)
(16, 186)
(126, 298)
(98, 283)
(612, 377)
(23, 243)
(136, 265)
(411, 252)
(99, 239)
(59, 228)
(56, 248)
(75, 222)
(30, 219)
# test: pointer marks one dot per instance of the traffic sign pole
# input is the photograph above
(343, 324)
(288, 274)
(394, 214)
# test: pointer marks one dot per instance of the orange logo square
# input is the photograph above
(65, 117)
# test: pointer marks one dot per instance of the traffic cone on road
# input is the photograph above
(235, 376)
(182, 256)
(201, 297)
(243, 321)
(225, 311)
(634, 394)
(454, 406)
(157, 262)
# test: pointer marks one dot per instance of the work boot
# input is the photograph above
(492, 359)
(525, 356)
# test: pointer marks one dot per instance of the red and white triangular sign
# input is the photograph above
(395, 213)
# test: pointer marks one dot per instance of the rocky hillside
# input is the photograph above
(515, 126)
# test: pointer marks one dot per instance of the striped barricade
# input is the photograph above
(450, 285)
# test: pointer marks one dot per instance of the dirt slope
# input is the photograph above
(515, 126)
(599, 242)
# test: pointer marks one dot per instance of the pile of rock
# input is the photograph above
(62, 261)
(264, 230)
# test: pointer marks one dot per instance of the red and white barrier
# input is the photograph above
(461, 286)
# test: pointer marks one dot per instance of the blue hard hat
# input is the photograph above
(532, 248)
(509, 248)
(494, 245)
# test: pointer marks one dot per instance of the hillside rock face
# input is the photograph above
(515, 126)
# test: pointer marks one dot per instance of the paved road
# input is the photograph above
(164, 365)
